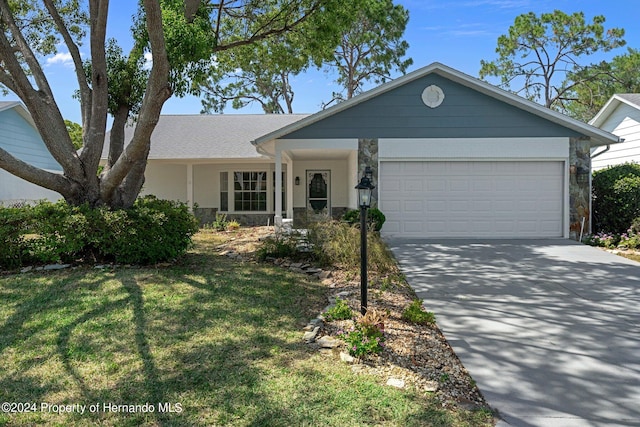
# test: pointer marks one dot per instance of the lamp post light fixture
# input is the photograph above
(364, 187)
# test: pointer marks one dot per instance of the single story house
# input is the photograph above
(620, 116)
(19, 137)
(452, 156)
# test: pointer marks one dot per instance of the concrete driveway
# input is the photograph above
(549, 329)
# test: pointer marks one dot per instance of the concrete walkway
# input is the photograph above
(549, 329)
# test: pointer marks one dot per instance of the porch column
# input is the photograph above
(277, 220)
(190, 186)
(289, 186)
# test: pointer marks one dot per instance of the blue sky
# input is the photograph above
(456, 33)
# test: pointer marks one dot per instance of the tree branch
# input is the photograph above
(157, 92)
(28, 172)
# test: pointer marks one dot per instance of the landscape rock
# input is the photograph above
(347, 358)
(328, 342)
(56, 266)
(310, 336)
(324, 274)
(395, 382)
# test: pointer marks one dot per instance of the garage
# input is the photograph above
(450, 156)
(495, 199)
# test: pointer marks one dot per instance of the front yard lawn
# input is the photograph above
(207, 341)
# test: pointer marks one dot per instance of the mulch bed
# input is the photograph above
(418, 355)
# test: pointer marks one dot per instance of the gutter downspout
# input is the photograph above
(603, 151)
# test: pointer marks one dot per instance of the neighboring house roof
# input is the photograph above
(631, 99)
(222, 136)
(20, 108)
(598, 136)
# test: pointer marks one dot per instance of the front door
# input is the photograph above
(318, 194)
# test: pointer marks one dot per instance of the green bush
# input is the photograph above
(414, 313)
(340, 311)
(151, 231)
(61, 231)
(375, 218)
(616, 198)
(14, 225)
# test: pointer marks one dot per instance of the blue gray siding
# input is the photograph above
(19, 138)
(464, 113)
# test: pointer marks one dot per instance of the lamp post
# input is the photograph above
(364, 188)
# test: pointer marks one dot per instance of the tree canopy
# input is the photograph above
(182, 36)
(539, 53)
(600, 82)
(361, 41)
(372, 49)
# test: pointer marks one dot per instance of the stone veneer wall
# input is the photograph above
(579, 188)
(208, 215)
(368, 156)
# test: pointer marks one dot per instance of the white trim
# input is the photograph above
(472, 148)
(567, 206)
(608, 108)
(190, 186)
(301, 144)
(289, 186)
(277, 219)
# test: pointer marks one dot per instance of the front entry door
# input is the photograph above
(318, 194)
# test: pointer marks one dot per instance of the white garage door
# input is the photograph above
(472, 198)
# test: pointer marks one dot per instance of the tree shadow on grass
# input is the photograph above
(220, 338)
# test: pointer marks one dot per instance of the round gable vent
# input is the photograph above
(432, 96)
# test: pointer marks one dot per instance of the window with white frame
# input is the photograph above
(250, 191)
(224, 191)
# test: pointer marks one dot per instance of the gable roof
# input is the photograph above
(201, 136)
(631, 99)
(598, 136)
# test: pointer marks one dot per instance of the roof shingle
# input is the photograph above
(210, 136)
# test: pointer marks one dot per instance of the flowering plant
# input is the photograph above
(364, 339)
(606, 240)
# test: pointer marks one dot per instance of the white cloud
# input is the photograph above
(62, 58)
(148, 61)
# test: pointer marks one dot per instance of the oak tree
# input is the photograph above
(182, 36)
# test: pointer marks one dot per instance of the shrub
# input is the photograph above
(414, 313)
(233, 225)
(338, 243)
(631, 241)
(14, 224)
(375, 218)
(366, 336)
(219, 224)
(60, 231)
(616, 197)
(340, 311)
(151, 231)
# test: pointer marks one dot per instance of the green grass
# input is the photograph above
(220, 338)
